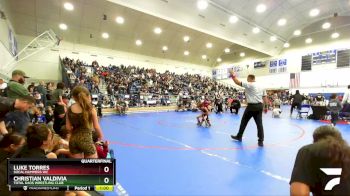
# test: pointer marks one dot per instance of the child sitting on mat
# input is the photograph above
(276, 111)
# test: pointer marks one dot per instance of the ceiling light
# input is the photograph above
(63, 26)
(242, 54)
(297, 32)
(105, 35)
(273, 38)
(68, 6)
(219, 60)
(202, 4)
(157, 30)
(260, 8)
(233, 19)
(165, 48)
(314, 12)
(119, 20)
(308, 40)
(282, 22)
(186, 53)
(227, 50)
(256, 30)
(209, 45)
(138, 42)
(186, 38)
(326, 25)
(286, 45)
(204, 56)
(335, 35)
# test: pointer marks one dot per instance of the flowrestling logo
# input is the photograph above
(332, 172)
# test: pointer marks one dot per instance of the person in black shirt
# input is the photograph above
(59, 114)
(329, 150)
(297, 100)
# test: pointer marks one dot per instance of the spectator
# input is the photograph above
(9, 145)
(81, 118)
(319, 99)
(3, 86)
(121, 107)
(8, 105)
(276, 101)
(346, 98)
(219, 103)
(334, 106)
(17, 90)
(39, 139)
(15, 86)
(101, 147)
(59, 115)
(58, 93)
(30, 89)
(329, 150)
(49, 116)
(42, 91)
(235, 105)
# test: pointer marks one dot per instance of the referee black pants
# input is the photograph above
(297, 105)
(255, 111)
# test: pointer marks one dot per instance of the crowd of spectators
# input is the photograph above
(136, 87)
(34, 123)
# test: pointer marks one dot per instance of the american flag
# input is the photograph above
(294, 81)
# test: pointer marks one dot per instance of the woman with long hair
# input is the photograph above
(81, 120)
(310, 172)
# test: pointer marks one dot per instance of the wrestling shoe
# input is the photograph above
(236, 138)
(260, 143)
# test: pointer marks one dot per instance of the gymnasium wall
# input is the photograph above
(322, 78)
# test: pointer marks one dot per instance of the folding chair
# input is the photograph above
(304, 111)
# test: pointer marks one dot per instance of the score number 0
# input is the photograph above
(106, 170)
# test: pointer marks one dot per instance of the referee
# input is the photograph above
(255, 97)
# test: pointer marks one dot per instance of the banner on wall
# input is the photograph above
(278, 66)
(282, 65)
(273, 66)
(12, 43)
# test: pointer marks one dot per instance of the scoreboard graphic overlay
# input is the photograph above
(61, 174)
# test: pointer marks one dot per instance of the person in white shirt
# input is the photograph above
(346, 97)
(255, 98)
(276, 112)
